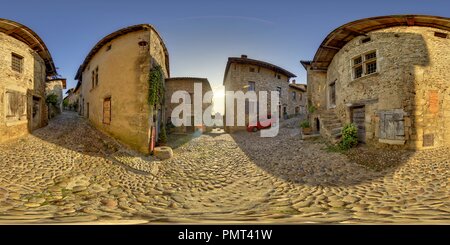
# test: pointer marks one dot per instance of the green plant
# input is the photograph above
(305, 124)
(52, 99)
(156, 86)
(311, 109)
(349, 137)
(163, 136)
(66, 103)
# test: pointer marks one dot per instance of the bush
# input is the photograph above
(305, 124)
(311, 109)
(52, 99)
(349, 137)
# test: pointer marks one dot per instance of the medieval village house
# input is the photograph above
(244, 74)
(186, 84)
(26, 65)
(114, 80)
(55, 87)
(297, 100)
(388, 75)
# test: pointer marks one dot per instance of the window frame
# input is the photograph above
(20, 59)
(250, 83)
(363, 65)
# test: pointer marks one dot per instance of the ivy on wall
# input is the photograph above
(156, 86)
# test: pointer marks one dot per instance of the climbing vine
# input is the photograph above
(156, 86)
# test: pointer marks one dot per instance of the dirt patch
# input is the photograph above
(377, 159)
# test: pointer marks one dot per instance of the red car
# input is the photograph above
(266, 122)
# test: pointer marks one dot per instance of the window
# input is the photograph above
(294, 95)
(364, 64)
(17, 63)
(300, 95)
(366, 40)
(251, 86)
(440, 34)
(93, 79)
(16, 105)
(252, 69)
(279, 91)
(96, 76)
(107, 111)
(332, 90)
(279, 77)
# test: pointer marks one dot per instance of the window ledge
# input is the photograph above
(16, 122)
(392, 142)
(365, 76)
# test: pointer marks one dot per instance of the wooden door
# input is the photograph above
(358, 118)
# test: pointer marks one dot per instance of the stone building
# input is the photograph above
(114, 84)
(297, 99)
(55, 86)
(25, 66)
(244, 74)
(174, 84)
(388, 75)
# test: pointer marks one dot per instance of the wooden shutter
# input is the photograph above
(107, 111)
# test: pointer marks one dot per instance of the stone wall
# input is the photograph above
(406, 96)
(265, 80)
(29, 83)
(184, 84)
(123, 76)
(300, 102)
(55, 87)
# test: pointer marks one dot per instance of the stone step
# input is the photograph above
(336, 131)
(332, 125)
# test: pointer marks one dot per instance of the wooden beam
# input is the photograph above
(9, 32)
(330, 47)
(354, 32)
(410, 21)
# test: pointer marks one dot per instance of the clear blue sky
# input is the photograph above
(201, 35)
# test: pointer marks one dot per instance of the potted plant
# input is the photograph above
(306, 127)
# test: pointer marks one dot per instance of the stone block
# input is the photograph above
(163, 152)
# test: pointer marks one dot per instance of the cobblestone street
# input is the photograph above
(68, 172)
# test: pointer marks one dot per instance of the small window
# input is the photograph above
(107, 111)
(279, 91)
(251, 86)
(364, 64)
(252, 69)
(366, 40)
(371, 67)
(294, 95)
(440, 34)
(279, 77)
(371, 56)
(93, 79)
(96, 76)
(17, 63)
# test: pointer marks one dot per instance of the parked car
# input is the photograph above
(267, 122)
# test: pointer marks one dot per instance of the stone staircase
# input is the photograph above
(331, 126)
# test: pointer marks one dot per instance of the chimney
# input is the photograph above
(293, 81)
(244, 56)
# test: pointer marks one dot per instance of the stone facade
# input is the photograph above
(297, 100)
(114, 85)
(56, 87)
(23, 75)
(241, 72)
(185, 84)
(403, 103)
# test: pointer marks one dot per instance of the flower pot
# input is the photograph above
(306, 131)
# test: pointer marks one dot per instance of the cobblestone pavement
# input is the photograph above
(68, 172)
